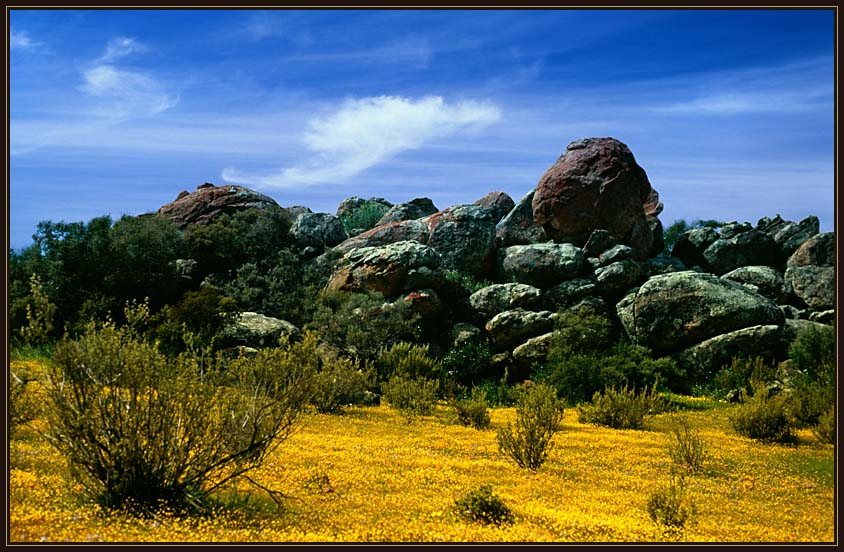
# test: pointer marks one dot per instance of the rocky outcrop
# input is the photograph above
(533, 352)
(296, 211)
(497, 298)
(595, 184)
(709, 356)
(498, 204)
(690, 246)
(792, 234)
(413, 209)
(541, 265)
(511, 328)
(349, 205)
(745, 249)
(208, 201)
(391, 232)
(317, 230)
(675, 311)
(615, 278)
(385, 269)
(464, 236)
(518, 226)
(568, 294)
(819, 250)
(251, 329)
(764, 280)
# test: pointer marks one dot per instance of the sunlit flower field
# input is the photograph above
(371, 475)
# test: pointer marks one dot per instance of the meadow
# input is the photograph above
(370, 474)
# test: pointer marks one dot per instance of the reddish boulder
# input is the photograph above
(595, 184)
(209, 201)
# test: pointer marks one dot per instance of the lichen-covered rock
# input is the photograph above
(317, 230)
(464, 236)
(534, 351)
(252, 329)
(208, 201)
(709, 356)
(568, 293)
(351, 204)
(662, 265)
(411, 210)
(616, 278)
(672, 312)
(823, 317)
(597, 183)
(382, 269)
(813, 285)
(463, 333)
(599, 241)
(391, 232)
(819, 250)
(511, 328)
(491, 300)
(771, 225)
(733, 228)
(541, 265)
(498, 204)
(518, 226)
(761, 279)
(615, 254)
(750, 248)
(296, 211)
(793, 234)
(690, 246)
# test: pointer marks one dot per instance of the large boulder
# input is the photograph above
(251, 329)
(464, 236)
(413, 209)
(511, 328)
(352, 204)
(707, 357)
(296, 211)
(690, 246)
(317, 230)
(518, 226)
(764, 280)
(491, 300)
(541, 265)
(208, 201)
(615, 278)
(597, 183)
(391, 232)
(533, 352)
(791, 235)
(383, 269)
(568, 294)
(662, 265)
(750, 248)
(498, 204)
(771, 225)
(813, 285)
(675, 311)
(819, 250)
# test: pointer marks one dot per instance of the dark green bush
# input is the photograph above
(411, 395)
(407, 359)
(687, 449)
(812, 375)
(539, 414)
(741, 372)
(500, 392)
(765, 416)
(141, 430)
(363, 218)
(360, 325)
(473, 410)
(622, 408)
(670, 505)
(200, 315)
(339, 384)
(469, 363)
(39, 315)
(467, 281)
(483, 506)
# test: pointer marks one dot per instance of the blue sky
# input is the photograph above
(730, 113)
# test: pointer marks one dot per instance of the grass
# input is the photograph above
(371, 475)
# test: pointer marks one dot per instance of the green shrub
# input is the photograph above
(469, 363)
(812, 353)
(670, 505)
(687, 449)
(623, 408)
(469, 282)
(39, 315)
(411, 395)
(539, 414)
(739, 374)
(474, 410)
(201, 314)
(341, 383)
(407, 359)
(363, 218)
(361, 325)
(500, 392)
(141, 430)
(483, 506)
(764, 416)
(825, 430)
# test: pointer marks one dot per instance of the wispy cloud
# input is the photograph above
(20, 40)
(128, 93)
(413, 49)
(364, 132)
(121, 47)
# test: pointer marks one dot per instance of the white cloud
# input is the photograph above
(20, 40)
(130, 93)
(121, 47)
(365, 132)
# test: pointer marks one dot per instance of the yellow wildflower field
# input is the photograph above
(371, 475)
